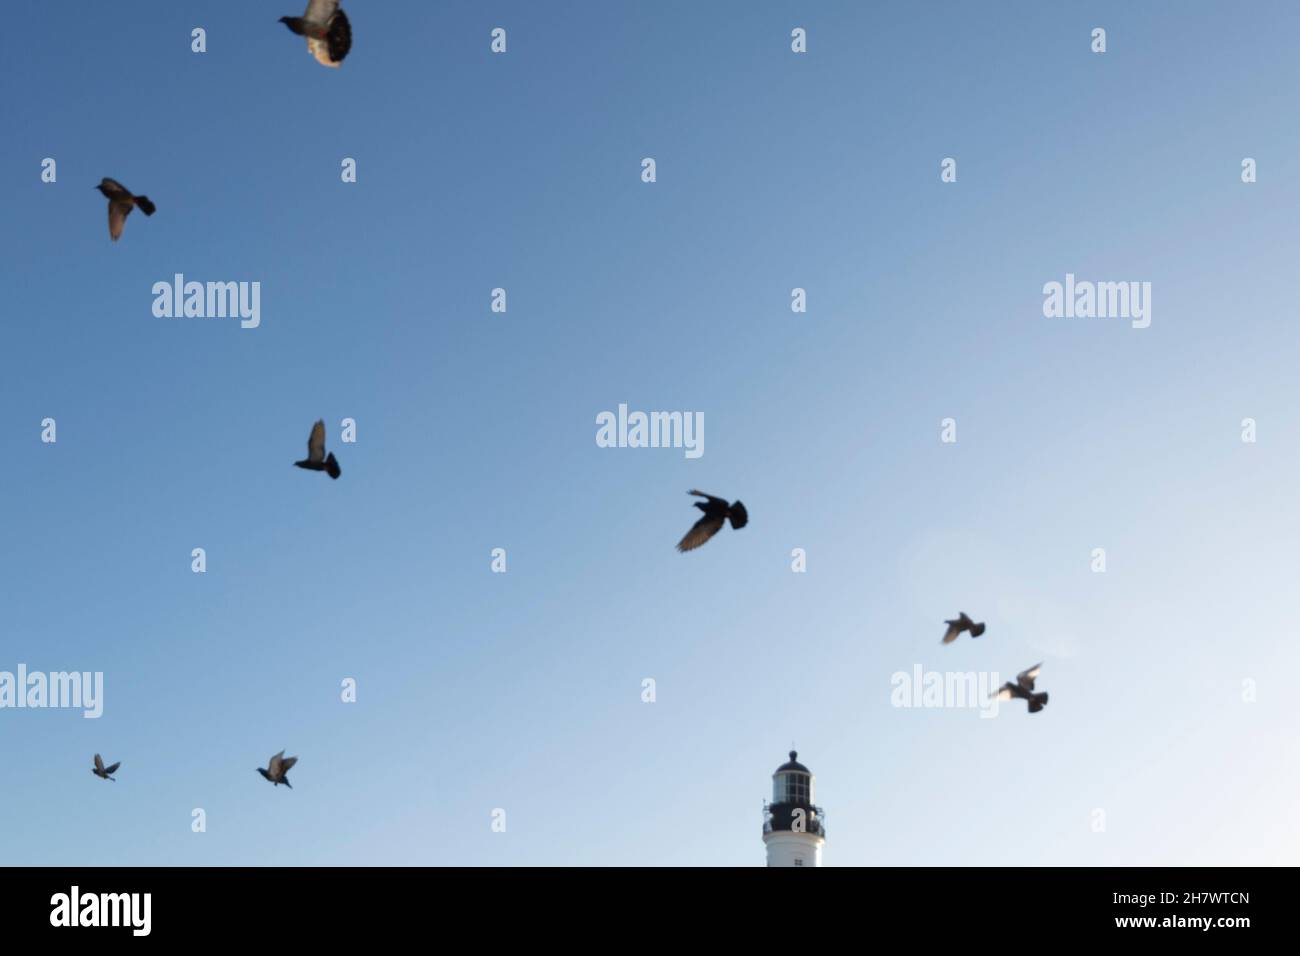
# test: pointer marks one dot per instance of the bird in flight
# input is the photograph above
(962, 623)
(326, 27)
(99, 770)
(716, 511)
(316, 460)
(1023, 688)
(120, 204)
(278, 769)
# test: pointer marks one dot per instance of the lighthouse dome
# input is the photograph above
(793, 764)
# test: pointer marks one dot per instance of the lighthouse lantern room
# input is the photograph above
(794, 827)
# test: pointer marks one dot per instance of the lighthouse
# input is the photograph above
(794, 827)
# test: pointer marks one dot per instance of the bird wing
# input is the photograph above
(1026, 678)
(117, 213)
(99, 762)
(286, 764)
(316, 447)
(320, 11)
(950, 635)
(739, 516)
(700, 532)
(113, 769)
(712, 500)
(1010, 690)
(274, 767)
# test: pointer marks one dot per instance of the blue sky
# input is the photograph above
(475, 430)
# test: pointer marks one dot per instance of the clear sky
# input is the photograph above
(476, 430)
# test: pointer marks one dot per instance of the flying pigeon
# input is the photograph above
(316, 460)
(962, 623)
(120, 204)
(326, 27)
(1023, 689)
(277, 770)
(716, 511)
(99, 770)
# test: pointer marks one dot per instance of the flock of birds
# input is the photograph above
(329, 38)
(717, 512)
(276, 771)
(1022, 687)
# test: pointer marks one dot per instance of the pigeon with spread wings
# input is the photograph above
(120, 203)
(959, 624)
(1023, 689)
(326, 27)
(316, 459)
(277, 771)
(99, 770)
(716, 512)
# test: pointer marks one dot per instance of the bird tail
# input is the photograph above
(976, 629)
(286, 782)
(145, 206)
(332, 466)
(1037, 702)
(738, 515)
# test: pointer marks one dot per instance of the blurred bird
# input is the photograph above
(120, 204)
(962, 623)
(326, 27)
(99, 770)
(1023, 689)
(277, 770)
(716, 511)
(316, 460)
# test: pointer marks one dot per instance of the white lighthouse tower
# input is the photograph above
(794, 827)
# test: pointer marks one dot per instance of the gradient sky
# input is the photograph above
(476, 430)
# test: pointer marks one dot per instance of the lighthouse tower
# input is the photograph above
(794, 827)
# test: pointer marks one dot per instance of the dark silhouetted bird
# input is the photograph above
(120, 204)
(316, 460)
(326, 27)
(962, 623)
(277, 770)
(716, 511)
(1023, 689)
(99, 770)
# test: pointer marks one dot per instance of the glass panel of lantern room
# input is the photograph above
(779, 787)
(792, 787)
